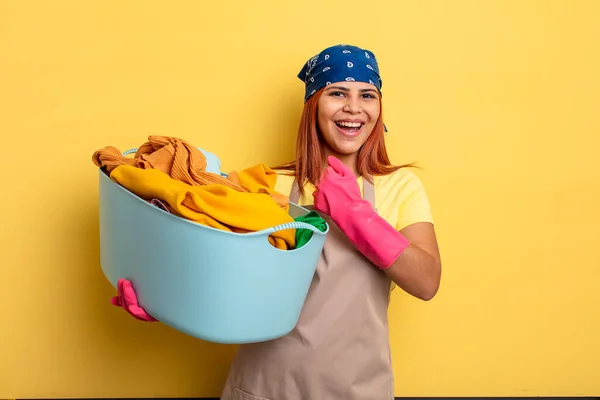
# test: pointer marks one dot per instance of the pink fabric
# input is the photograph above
(159, 204)
(127, 299)
(338, 195)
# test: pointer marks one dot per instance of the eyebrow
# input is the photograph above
(347, 90)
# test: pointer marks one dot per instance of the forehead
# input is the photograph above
(352, 85)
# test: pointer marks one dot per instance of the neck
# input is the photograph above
(349, 160)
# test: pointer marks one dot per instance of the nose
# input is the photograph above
(353, 105)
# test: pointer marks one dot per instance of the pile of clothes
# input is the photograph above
(171, 174)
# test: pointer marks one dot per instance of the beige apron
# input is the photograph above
(339, 350)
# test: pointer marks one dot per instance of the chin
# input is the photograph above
(343, 146)
(346, 150)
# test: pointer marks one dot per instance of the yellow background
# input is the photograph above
(498, 102)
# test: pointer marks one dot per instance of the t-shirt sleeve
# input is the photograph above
(414, 204)
(284, 183)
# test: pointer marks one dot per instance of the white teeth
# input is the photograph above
(350, 124)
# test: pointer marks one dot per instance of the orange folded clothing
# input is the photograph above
(184, 162)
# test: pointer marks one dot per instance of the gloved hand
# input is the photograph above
(127, 299)
(338, 196)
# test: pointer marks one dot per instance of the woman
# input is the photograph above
(381, 234)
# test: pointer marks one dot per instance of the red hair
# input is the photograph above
(372, 156)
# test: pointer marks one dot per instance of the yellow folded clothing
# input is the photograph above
(215, 205)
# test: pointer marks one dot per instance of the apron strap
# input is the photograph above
(368, 192)
(295, 192)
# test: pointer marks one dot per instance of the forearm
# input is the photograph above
(417, 272)
(410, 257)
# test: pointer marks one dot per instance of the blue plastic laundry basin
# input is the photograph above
(214, 285)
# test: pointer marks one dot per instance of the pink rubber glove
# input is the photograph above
(338, 196)
(127, 299)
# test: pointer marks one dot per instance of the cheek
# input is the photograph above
(373, 112)
(324, 116)
(321, 122)
(325, 110)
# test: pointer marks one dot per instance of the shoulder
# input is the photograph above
(402, 198)
(398, 182)
(284, 182)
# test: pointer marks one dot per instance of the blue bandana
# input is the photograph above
(337, 64)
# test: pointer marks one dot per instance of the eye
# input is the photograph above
(369, 96)
(336, 94)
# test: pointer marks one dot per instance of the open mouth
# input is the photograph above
(349, 128)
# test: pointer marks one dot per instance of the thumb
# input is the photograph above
(338, 166)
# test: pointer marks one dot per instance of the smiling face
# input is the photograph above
(346, 115)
